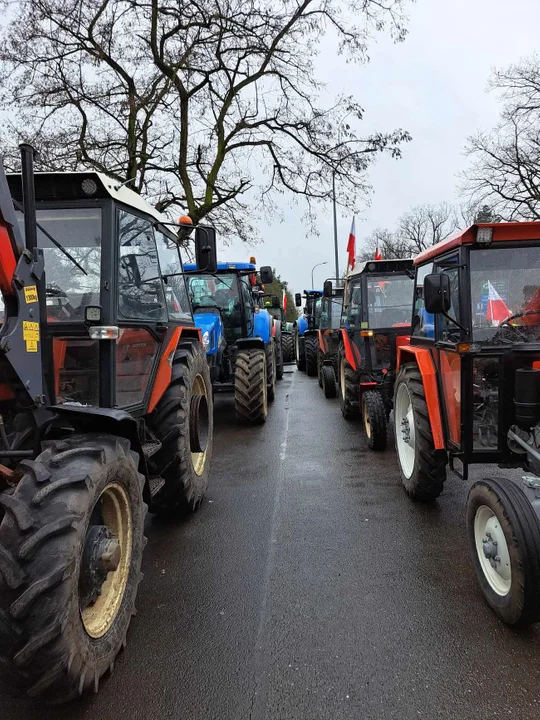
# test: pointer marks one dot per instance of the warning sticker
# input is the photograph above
(32, 346)
(30, 294)
(30, 330)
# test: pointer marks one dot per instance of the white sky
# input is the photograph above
(434, 86)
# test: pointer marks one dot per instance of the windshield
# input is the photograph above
(218, 291)
(390, 299)
(331, 312)
(70, 286)
(505, 294)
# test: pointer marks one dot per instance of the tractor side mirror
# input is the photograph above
(437, 293)
(267, 276)
(327, 289)
(298, 300)
(205, 248)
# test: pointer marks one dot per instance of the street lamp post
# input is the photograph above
(312, 269)
(336, 253)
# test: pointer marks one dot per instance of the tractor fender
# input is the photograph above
(262, 326)
(251, 342)
(424, 361)
(111, 421)
(322, 342)
(349, 349)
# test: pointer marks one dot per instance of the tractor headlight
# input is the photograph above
(206, 340)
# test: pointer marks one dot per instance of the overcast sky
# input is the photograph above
(434, 86)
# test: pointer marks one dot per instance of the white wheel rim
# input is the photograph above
(367, 420)
(405, 431)
(492, 550)
(342, 377)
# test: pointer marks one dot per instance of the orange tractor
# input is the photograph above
(468, 391)
(105, 410)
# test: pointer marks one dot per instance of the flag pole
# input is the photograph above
(336, 253)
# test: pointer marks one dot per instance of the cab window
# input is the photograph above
(423, 322)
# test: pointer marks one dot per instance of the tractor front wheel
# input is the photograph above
(71, 545)
(250, 386)
(374, 417)
(328, 381)
(348, 389)
(422, 468)
(311, 343)
(184, 422)
(287, 344)
(504, 537)
(279, 358)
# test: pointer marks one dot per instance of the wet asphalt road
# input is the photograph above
(307, 588)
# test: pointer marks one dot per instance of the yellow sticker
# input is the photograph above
(364, 325)
(30, 331)
(30, 294)
(31, 346)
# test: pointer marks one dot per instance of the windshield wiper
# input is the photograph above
(50, 237)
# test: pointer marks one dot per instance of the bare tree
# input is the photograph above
(425, 225)
(505, 163)
(210, 105)
(391, 246)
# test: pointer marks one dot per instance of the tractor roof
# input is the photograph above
(52, 186)
(226, 266)
(313, 292)
(381, 266)
(502, 232)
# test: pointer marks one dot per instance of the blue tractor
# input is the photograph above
(236, 334)
(306, 338)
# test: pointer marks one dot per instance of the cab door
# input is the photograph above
(447, 336)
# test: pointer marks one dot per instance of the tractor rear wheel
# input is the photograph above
(374, 417)
(348, 389)
(71, 545)
(299, 352)
(184, 423)
(311, 343)
(270, 352)
(287, 343)
(504, 537)
(422, 468)
(250, 386)
(328, 381)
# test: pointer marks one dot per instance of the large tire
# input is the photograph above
(312, 345)
(374, 417)
(279, 358)
(184, 412)
(287, 344)
(270, 353)
(319, 367)
(250, 386)
(348, 389)
(422, 468)
(504, 537)
(53, 644)
(328, 381)
(299, 353)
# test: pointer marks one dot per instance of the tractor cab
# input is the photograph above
(376, 321)
(112, 265)
(329, 335)
(468, 391)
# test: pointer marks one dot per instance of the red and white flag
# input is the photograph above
(497, 310)
(377, 255)
(284, 301)
(351, 247)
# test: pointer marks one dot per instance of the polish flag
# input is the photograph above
(284, 301)
(377, 255)
(497, 310)
(351, 247)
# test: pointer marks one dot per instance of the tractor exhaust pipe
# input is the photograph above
(29, 195)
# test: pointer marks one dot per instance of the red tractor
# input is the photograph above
(376, 321)
(468, 391)
(105, 411)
